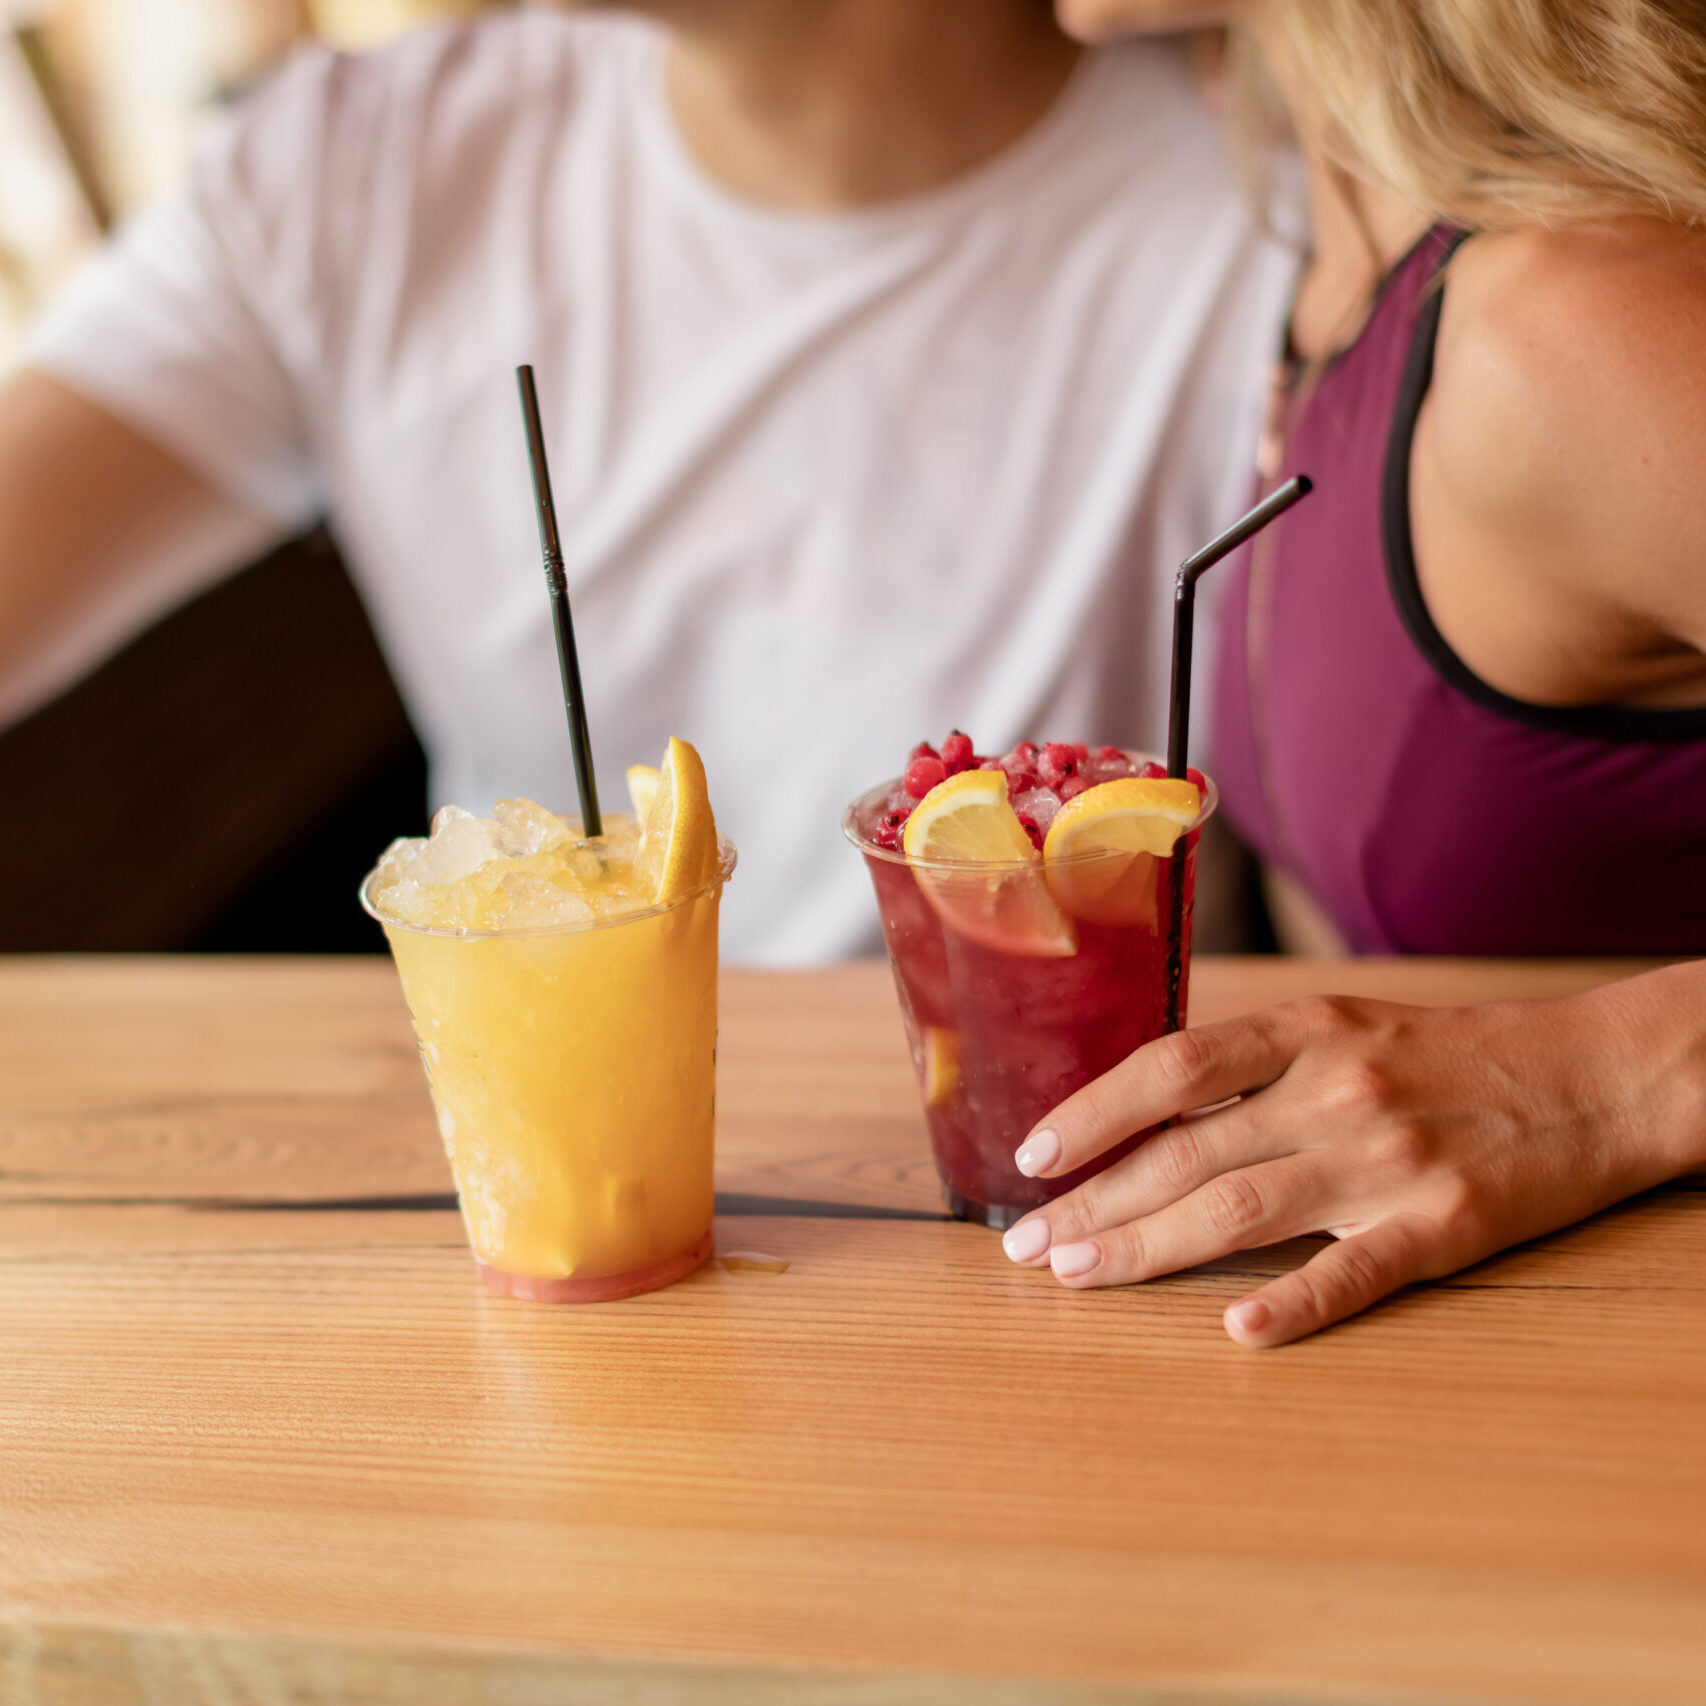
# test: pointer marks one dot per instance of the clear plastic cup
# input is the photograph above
(1019, 985)
(574, 1075)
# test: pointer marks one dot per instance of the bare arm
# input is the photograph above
(94, 516)
(1555, 493)
(1422, 1138)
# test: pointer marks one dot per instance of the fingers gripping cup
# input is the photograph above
(1024, 903)
(564, 996)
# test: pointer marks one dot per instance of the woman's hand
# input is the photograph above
(1422, 1139)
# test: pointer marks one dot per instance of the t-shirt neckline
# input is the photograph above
(994, 179)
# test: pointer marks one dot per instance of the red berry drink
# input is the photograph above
(1034, 929)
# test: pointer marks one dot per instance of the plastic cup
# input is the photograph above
(574, 1075)
(1019, 985)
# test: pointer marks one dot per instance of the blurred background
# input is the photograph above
(290, 776)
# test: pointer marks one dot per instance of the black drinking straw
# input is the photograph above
(568, 661)
(1275, 504)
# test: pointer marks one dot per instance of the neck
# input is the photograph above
(1358, 229)
(825, 105)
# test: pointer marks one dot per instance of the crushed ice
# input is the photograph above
(522, 868)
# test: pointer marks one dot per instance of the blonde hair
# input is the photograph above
(1494, 113)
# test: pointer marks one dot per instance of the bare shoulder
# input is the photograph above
(1562, 353)
(1568, 411)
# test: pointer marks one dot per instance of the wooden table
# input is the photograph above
(264, 1438)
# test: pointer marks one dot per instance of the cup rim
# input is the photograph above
(1000, 867)
(727, 858)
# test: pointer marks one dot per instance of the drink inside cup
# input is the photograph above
(1038, 957)
(564, 996)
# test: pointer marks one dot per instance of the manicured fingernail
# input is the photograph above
(1250, 1316)
(1071, 1260)
(1037, 1153)
(1026, 1241)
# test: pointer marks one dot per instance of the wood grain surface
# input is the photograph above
(264, 1437)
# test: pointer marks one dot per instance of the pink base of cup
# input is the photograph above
(597, 1288)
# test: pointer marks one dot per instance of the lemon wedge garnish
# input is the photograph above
(966, 822)
(678, 840)
(967, 819)
(642, 789)
(1101, 851)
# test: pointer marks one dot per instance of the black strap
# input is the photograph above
(1586, 722)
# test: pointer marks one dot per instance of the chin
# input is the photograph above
(1105, 20)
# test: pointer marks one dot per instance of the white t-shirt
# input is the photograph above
(828, 485)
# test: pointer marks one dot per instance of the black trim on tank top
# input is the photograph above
(1587, 722)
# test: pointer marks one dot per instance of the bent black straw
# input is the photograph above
(1179, 701)
(586, 784)
(1184, 607)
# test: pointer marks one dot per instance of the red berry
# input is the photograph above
(1071, 788)
(1152, 772)
(1022, 781)
(1033, 829)
(923, 773)
(923, 750)
(1027, 750)
(1082, 751)
(957, 752)
(1109, 754)
(1057, 763)
(1192, 774)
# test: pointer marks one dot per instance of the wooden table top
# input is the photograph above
(264, 1437)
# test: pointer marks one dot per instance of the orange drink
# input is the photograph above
(564, 996)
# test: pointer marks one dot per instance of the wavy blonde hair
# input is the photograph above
(1494, 113)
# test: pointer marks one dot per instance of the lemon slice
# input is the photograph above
(941, 1065)
(997, 897)
(642, 789)
(967, 819)
(678, 839)
(1131, 824)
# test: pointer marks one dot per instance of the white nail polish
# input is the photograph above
(1037, 1153)
(1026, 1241)
(1071, 1260)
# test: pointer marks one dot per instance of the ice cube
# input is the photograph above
(534, 902)
(458, 847)
(402, 899)
(525, 827)
(1038, 803)
(444, 815)
(1097, 769)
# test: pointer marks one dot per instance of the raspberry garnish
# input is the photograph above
(1151, 772)
(1071, 788)
(923, 750)
(1192, 774)
(923, 773)
(1057, 763)
(957, 753)
(1109, 754)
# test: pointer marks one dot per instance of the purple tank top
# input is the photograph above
(1424, 811)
